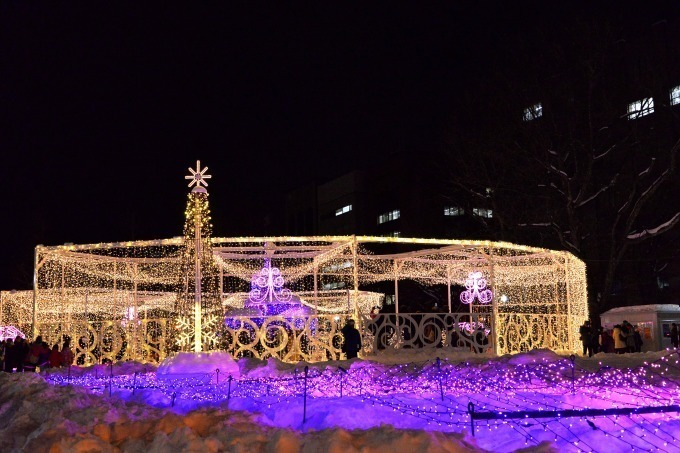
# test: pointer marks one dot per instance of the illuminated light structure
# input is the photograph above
(143, 299)
(269, 298)
(85, 291)
(198, 302)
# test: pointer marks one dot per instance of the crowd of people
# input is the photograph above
(621, 339)
(19, 355)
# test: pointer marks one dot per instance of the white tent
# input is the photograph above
(653, 320)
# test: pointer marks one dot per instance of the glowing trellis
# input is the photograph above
(476, 289)
(331, 274)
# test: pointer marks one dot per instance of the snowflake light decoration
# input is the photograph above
(198, 176)
(476, 288)
(267, 285)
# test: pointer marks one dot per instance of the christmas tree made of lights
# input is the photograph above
(199, 311)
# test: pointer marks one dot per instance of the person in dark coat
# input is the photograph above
(606, 341)
(56, 357)
(10, 355)
(21, 353)
(352, 343)
(585, 333)
(674, 335)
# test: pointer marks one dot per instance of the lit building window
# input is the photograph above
(394, 234)
(343, 210)
(483, 212)
(337, 266)
(675, 95)
(453, 211)
(388, 216)
(640, 108)
(333, 285)
(533, 112)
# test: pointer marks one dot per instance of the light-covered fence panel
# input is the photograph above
(524, 332)
(462, 331)
(313, 338)
(93, 342)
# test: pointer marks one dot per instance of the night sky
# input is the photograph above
(103, 109)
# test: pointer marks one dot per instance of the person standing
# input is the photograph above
(66, 352)
(56, 357)
(352, 343)
(630, 336)
(584, 331)
(606, 341)
(674, 335)
(619, 340)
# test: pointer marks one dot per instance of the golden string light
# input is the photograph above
(540, 287)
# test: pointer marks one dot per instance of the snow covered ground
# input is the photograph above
(408, 400)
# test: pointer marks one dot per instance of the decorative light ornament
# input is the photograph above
(10, 332)
(476, 288)
(267, 285)
(198, 176)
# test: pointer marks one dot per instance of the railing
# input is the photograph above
(311, 338)
(463, 331)
(145, 340)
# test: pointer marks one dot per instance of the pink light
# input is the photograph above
(267, 285)
(476, 288)
(10, 332)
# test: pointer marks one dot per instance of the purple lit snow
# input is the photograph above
(349, 404)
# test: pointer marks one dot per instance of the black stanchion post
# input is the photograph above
(439, 377)
(217, 376)
(339, 369)
(229, 391)
(573, 367)
(304, 401)
(134, 383)
(174, 395)
(342, 373)
(471, 412)
(110, 377)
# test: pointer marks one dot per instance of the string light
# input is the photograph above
(89, 291)
(413, 390)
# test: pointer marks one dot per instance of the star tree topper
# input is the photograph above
(198, 176)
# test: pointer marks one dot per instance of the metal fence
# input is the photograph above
(310, 338)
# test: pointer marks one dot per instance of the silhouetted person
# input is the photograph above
(674, 335)
(56, 358)
(586, 332)
(352, 343)
(21, 350)
(10, 355)
(67, 353)
(606, 342)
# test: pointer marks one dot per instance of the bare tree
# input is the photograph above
(575, 169)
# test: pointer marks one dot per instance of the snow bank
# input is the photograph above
(35, 416)
(192, 364)
(402, 401)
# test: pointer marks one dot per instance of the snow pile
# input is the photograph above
(189, 364)
(406, 401)
(36, 416)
